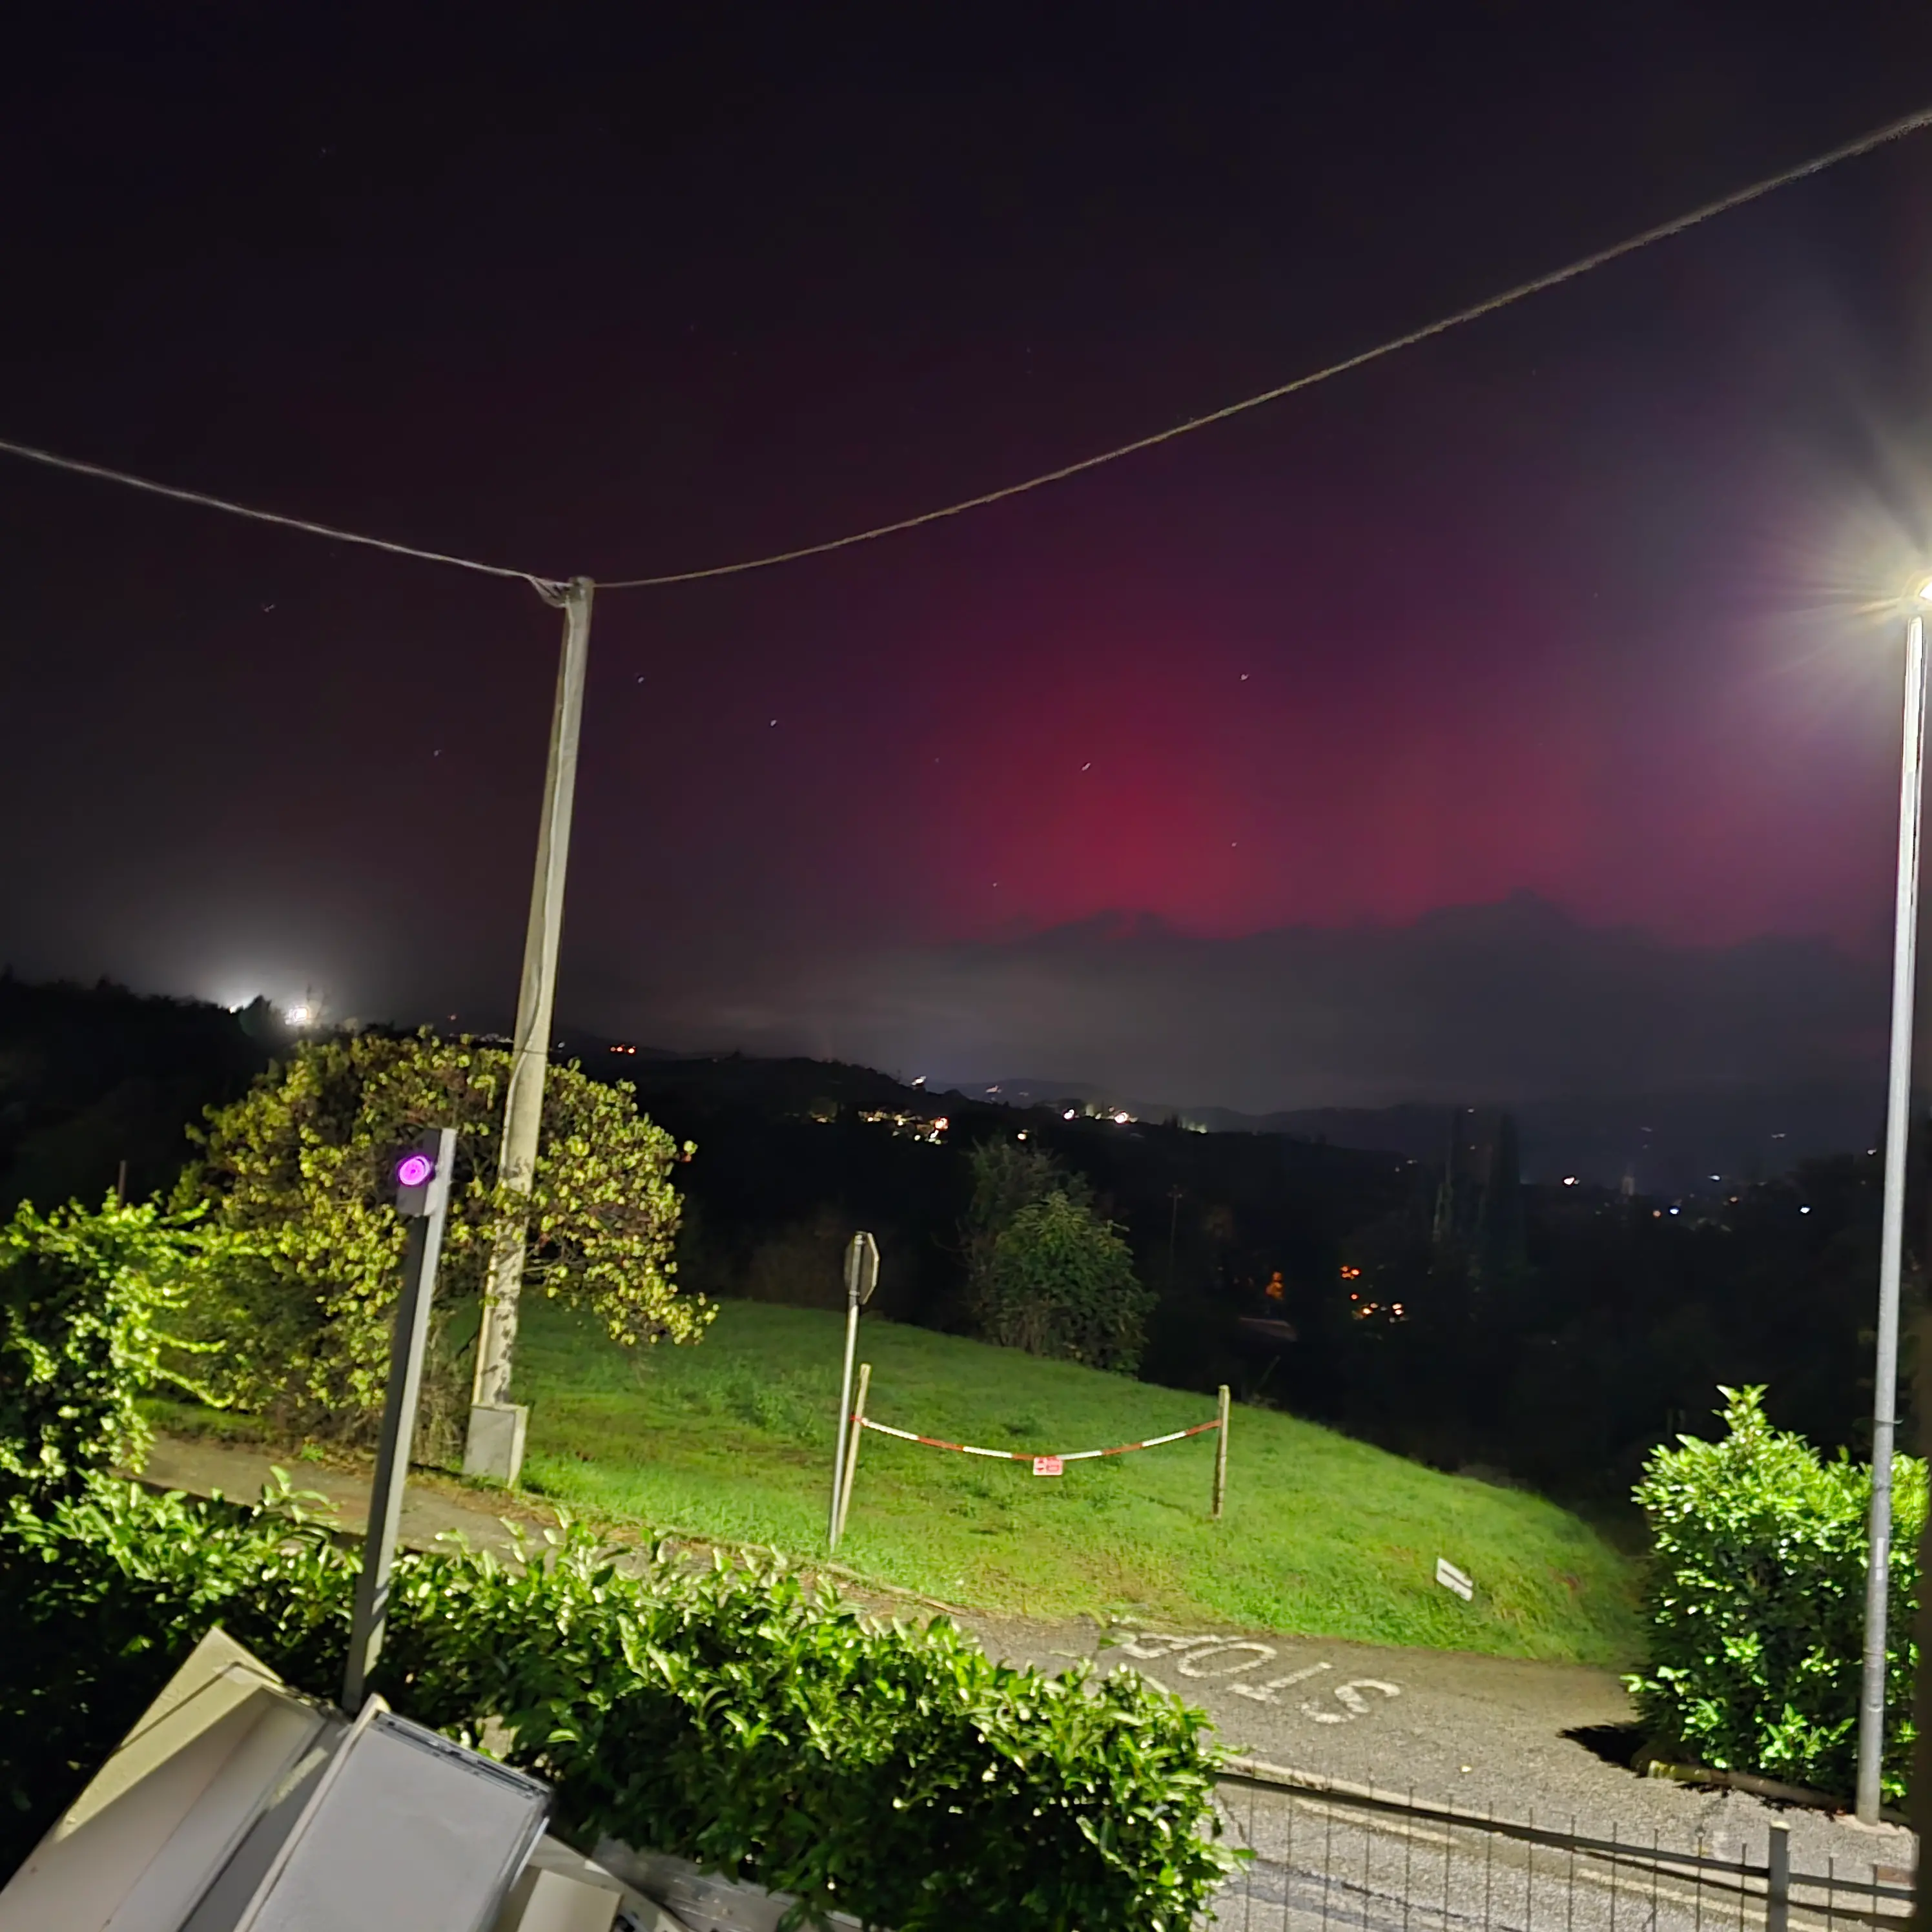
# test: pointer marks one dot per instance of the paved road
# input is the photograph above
(1480, 1732)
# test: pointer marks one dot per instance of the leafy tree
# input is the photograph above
(82, 1298)
(1007, 1176)
(298, 1172)
(1062, 1283)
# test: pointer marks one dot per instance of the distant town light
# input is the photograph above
(1068, 1114)
(1569, 1181)
(940, 1126)
(1121, 1120)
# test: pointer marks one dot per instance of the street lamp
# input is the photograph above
(1897, 1127)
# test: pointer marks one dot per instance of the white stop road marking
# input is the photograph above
(1220, 1657)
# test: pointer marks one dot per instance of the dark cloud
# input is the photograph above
(1507, 1002)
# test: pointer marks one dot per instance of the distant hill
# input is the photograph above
(1670, 1143)
(92, 1076)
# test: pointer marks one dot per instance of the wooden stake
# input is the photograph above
(1221, 1456)
(852, 1451)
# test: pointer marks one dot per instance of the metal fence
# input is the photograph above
(1330, 1854)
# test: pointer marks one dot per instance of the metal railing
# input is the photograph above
(1327, 1853)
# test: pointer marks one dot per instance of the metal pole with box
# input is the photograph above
(422, 1198)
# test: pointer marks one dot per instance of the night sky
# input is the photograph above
(1504, 719)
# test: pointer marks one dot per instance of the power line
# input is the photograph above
(546, 585)
(1879, 137)
(552, 589)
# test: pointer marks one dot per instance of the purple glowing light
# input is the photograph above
(413, 1169)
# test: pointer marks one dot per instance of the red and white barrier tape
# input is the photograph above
(1030, 1455)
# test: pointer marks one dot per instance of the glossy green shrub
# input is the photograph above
(82, 1298)
(737, 1717)
(1757, 1603)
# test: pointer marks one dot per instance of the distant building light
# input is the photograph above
(1804, 1211)
(1067, 1115)
(1121, 1119)
(1676, 1211)
(940, 1126)
(1569, 1181)
(919, 1080)
(1020, 1136)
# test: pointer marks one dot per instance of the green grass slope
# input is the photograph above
(1322, 1535)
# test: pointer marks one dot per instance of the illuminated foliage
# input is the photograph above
(1757, 1603)
(82, 1298)
(299, 1172)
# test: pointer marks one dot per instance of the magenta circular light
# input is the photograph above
(413, 1169)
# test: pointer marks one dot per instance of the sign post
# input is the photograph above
(862, 1276)
(422, 1198)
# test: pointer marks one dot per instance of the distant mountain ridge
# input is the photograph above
(1668, 1143)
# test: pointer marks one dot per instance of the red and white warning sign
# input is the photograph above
(1048, 1466)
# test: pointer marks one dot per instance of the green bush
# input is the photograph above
(1061, 1283)
(1757, 1603)
(82, 1296)
(735, 1717)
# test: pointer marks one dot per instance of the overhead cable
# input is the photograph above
(548, 585)
(1892, 131)
(552, 588)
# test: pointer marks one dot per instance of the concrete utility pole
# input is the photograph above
(495, 1443)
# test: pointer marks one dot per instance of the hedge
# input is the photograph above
(737, 1717)
(1757, 1603)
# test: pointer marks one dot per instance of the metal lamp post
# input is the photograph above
(1897, 1129)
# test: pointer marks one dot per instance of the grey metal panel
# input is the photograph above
(407, 1832)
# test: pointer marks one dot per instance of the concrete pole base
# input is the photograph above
(494, 1447)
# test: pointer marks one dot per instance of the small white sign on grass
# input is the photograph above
(1451, 1578)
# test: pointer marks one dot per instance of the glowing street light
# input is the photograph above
(1898, 1121)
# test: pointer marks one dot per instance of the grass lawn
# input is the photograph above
(1322, 1535)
